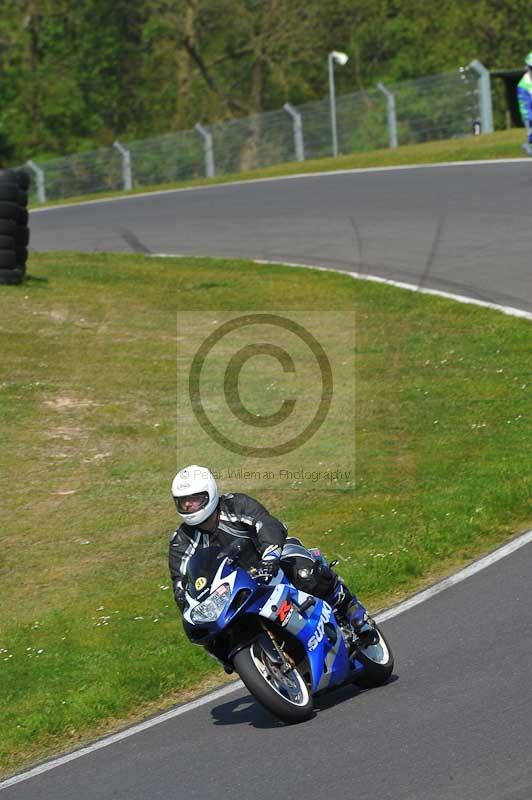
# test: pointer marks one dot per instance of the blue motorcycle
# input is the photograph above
(286, 645)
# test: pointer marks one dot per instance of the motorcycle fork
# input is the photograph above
(288, 663)
(349, 635)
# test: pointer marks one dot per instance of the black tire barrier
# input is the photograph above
(22, 198)
(14, 231)
(7, 242)
(11, 277)
(21, 255)
(9, 191)
(8, 227)
(11, 211)
(22, 216)
(18, 176)
(23, 179)
(8, 259)
(22, 235)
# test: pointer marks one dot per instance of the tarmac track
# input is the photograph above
(455, 722)
(464, 229)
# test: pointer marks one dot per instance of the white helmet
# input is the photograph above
(195, 484)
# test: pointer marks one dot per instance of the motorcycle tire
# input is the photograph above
(21, 254)
(7, 242)
(22, 235)
(9, 191)
(7, 227)
(23, 178)
(18, 176)
(271, 688)
(8, 259)
(11, 277)
(9, 210)
(22, 216)
(378, 662)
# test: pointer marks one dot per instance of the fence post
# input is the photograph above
(209, 153)
(126, 165)
(392, 117)
(39, 174)
(298, 131)
(484, 94)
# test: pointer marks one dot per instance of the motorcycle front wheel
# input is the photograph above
(283, 694)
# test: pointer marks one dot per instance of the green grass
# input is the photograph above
(503, 144)
(89, 632)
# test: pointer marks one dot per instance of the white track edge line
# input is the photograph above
(118, 737)
(406, 605)
(353, 171)
(462, 575)
(411, 287)
(418, 598)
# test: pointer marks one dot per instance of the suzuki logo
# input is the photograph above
(317, 636)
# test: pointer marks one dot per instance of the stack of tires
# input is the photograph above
(14, 231)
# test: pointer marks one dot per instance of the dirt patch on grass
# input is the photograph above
(66, 433)
(64, 403)
(54, 315)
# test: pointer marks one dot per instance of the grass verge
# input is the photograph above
(502, 144)
(89, 633)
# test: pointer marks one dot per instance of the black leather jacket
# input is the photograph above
(239, 517)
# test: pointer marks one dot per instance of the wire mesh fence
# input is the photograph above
(437, 107)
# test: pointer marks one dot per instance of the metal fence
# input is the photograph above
(436, 107)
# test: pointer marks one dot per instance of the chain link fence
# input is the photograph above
(437, 107)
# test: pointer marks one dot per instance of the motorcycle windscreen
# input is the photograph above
(201, 569)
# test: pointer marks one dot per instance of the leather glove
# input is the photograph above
(270, 561)
(180, 597)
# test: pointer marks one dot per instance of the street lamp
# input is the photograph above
(342, 59)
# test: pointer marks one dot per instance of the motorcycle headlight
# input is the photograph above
(212, 607)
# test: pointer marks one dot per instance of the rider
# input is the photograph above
(524, 98)
(208, 518)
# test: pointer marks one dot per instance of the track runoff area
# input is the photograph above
(418, 598)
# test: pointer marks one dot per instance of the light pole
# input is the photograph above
(342, 59)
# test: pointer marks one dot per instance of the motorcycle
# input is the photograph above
(286, 645)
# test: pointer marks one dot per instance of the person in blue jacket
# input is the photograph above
(524, 99)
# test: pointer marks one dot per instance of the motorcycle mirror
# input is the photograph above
(233, 551)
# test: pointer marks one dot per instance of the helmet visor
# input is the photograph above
(191, 503)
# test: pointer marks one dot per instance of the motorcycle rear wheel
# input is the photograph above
(286, 696)
(377, 660)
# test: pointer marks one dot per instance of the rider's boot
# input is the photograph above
(347, 604)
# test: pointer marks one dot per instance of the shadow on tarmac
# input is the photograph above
(246, 711)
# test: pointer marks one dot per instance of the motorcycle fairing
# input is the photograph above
(226, 573)
(316, 629)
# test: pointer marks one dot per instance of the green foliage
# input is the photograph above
(75, 74)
